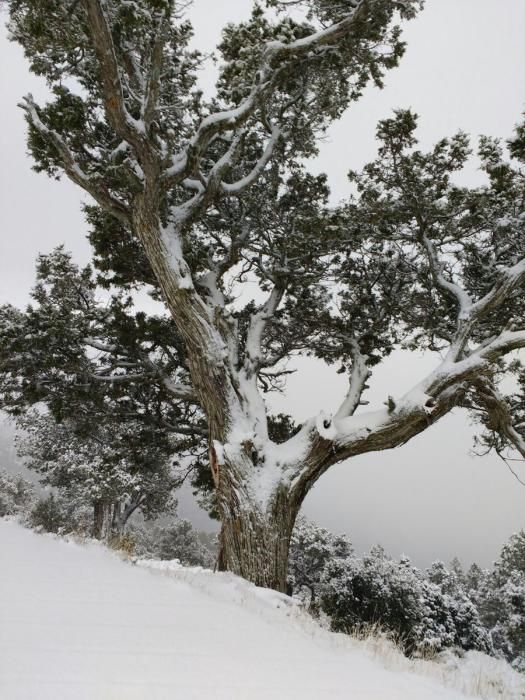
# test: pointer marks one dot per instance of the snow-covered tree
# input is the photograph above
(512, 556)
(311, 548)
(117, 468)
(501, 600)
(176, 540)
(63, 513)
(209, 204)
(469, 630)
(107, 378)
(16, 494)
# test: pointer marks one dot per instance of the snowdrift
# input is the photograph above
(78, 623)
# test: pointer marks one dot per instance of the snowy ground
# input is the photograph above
(77, 623)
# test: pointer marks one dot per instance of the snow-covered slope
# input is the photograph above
(77, 623)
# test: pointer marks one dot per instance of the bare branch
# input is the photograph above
(155, 71)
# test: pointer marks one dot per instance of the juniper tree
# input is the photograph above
(212, 201)
(93, 387)
(16, 494)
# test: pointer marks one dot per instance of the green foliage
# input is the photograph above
(48, 515)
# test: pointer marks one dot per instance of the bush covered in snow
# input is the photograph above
(425, 611)
(398, 598)
(60, 513)
(16, 494)
(500, 597)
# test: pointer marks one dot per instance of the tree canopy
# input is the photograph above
(208, 204)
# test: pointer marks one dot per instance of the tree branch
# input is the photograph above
(100, 194)
(258, 324)
(184, 163)
(155, 71)
(128, 128)
(243, 183)
(498, 413)
(359, 375)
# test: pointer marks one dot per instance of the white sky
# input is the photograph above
(464, 69)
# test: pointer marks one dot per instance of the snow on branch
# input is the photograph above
(179, 390)
(73, 170)
(437, 270)
(257, 328)
(240, 185)
(346, 434)
(185, 162)
(470, 312)
(359, 375)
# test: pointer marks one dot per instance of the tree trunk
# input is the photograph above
(255, 541)
(101, 519)
(256, 549)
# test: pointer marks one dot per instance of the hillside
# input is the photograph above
(77, 623)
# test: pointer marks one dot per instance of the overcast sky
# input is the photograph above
(464, 69)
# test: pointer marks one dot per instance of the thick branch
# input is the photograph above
(155, 71)
(128, 128)
(331, 441)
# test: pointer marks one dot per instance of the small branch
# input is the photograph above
(358, 377)
(97, 345)
(242, 184)
(155, 72)
(257, 328)
(179, 391)
(210, 186)
(450, 288)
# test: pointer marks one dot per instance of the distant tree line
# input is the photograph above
(425, 611)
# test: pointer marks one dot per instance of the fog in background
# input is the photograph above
(463, 69)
